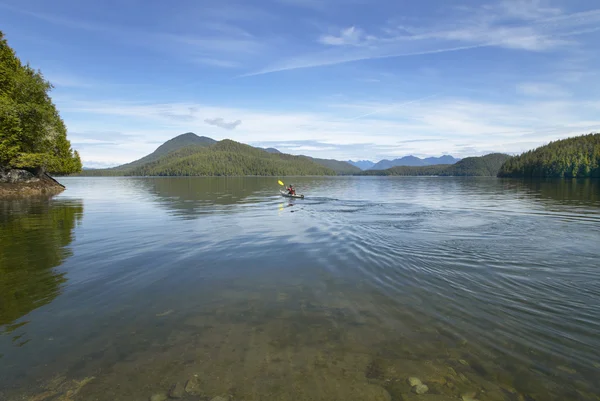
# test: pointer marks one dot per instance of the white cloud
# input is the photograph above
(349, 36)
(446, 122)
(221, 123)
(67, 81)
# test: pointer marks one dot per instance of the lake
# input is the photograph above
(482, 288)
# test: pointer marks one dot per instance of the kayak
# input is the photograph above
(283, 193)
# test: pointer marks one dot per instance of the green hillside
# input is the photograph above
(341, 168)
(223, 158)
(572, 157)
(483, 166)
(179, 142)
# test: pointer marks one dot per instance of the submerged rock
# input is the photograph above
(193, 386)
(159, 397)
(177, 391)
(469, 397)
(420, 389)
(428, 397)
(414, 381)
(377, 393)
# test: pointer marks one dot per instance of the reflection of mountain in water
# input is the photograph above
(34, 236)
(197, 195)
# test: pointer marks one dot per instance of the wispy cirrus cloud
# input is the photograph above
(542, 89)
(510, 24)
(217, 62)
(215, 42)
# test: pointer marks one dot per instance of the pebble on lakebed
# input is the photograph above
(420, 389)
(414, 381)
(159, 397)
(469, 397)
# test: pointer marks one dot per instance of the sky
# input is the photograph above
(343, 79)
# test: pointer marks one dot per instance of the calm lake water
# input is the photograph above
(119, 288)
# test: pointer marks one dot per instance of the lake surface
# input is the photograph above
(119, 288)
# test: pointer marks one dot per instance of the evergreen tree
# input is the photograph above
(567, 158)
(32, 134)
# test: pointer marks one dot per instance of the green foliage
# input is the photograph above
(32, 134)
(483, 166)
(223, 158)
(568, 158)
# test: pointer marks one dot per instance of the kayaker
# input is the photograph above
(291, 190)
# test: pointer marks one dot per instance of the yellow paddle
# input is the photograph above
(280, 183)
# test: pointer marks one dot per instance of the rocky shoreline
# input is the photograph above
(16, 183)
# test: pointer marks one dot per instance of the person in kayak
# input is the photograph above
(291, 190)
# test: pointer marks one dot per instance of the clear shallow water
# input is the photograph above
(481, 286)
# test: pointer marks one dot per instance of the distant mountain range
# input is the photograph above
(483, 166)
(362, 164)
(403, 161)
(192, 155)
(413, 161)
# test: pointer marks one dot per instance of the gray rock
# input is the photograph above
(16, 176)
(177, 391)
(420, 389)
(414, 381)
(159, 397)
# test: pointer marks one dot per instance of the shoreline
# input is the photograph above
(43, 186)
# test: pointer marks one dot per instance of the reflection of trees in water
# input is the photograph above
(34, 236)
(562, 191)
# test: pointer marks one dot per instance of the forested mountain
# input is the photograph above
(487, 166)
(223, 158)
(179, 142)
(341, 168)
(32, 134)
(413, 161)
(189, 154)
(573, 157)
(362, 164)
(446, 159)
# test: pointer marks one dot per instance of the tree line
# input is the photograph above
(566, 158)
(32, 134)
(483, 166)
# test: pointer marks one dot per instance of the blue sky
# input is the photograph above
(345, 79)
